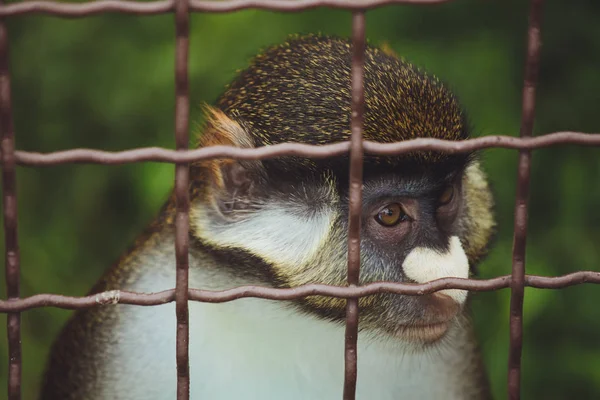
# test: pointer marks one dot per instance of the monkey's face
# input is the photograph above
(411, 233)
(416, 227)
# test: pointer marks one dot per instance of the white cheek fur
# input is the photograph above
(423, 265)
(275, 234)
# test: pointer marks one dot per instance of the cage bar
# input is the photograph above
(182, 178)
(517, 284)
(269, 293)
(9, 190)
(355, 200)
(155, 154)
(76, 10)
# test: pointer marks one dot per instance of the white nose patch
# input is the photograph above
(423, 265)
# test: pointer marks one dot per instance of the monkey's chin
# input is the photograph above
(426, 333)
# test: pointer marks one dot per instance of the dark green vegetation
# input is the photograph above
(107, 82)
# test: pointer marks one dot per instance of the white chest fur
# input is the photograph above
(260, 349)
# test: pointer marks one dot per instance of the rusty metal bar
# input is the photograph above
(355, 200)
(221, 296)
(74, 10)
(155, 154)
(517, 283)
(9, 190)
(182, 178)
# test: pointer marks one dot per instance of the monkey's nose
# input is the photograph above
(424, 264)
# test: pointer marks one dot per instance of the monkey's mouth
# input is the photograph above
(438, 314)
(423, 333)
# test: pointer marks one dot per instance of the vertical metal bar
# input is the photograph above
(182, 106)
(11, 257)
(355, 199)
(522, 195)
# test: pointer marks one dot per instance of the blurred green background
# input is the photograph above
(106, 82)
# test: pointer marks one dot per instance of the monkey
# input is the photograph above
(282, 222)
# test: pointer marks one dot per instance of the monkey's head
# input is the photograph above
(425, 215)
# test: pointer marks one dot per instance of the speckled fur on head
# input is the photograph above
(299, 91)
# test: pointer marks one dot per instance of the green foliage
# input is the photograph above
(106, 82)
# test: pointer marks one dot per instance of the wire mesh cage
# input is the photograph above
(182, 157)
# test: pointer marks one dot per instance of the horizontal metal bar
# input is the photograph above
(156, 154)
(301, 5)
(74, 10)
(221, 296)
(86, 9)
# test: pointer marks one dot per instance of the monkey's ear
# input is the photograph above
(229, 183)
(387, 49)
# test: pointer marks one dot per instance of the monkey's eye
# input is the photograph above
(391, 215)
(446, 196)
